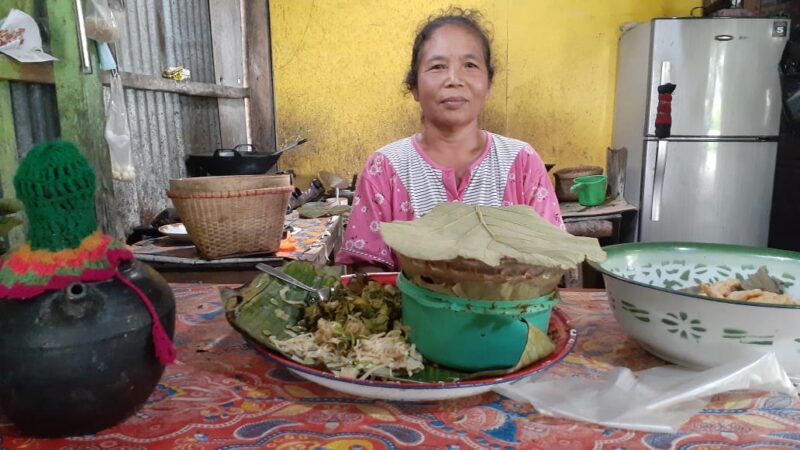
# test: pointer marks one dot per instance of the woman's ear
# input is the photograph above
(415, 93)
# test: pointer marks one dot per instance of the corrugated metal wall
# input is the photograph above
(35, 116)
(165, 127)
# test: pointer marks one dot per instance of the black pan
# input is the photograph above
(235, 162)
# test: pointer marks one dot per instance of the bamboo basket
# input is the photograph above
(565, 178)
(232, 215)
(473, 279)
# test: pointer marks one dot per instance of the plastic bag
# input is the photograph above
(100, 22)
(118, 135)
(660, 399)
(20, 39)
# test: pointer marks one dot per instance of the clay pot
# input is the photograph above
(566, 177)
(81, 359)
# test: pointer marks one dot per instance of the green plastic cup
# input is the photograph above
(591, 190)
(471, 335)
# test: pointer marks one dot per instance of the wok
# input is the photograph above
(235, 161)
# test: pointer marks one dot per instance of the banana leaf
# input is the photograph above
(268, 306)
(490, 235)
(312, 212)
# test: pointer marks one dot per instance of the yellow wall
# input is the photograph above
(339, 65)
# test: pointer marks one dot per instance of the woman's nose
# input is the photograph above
(454, 77)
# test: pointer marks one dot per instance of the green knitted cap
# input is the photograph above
(56, 185)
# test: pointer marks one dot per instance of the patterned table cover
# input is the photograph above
(221, 394)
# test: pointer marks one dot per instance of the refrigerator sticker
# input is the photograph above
(779, 28)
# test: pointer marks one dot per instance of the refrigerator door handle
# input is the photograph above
(658, 181)
(666, 69)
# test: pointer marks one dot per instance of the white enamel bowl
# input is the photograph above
(696, 331)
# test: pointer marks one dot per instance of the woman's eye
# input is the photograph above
(472, 65)
(437, 67)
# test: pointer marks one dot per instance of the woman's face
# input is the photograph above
(453, 80)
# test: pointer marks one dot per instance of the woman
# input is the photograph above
(451, 159)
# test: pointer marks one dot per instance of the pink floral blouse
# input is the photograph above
(400, 182)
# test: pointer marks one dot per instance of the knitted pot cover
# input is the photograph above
(56, 184)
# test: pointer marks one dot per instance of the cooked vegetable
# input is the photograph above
(354, 356)
(355, 333)
(376, 306)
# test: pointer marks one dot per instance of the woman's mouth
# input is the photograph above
(454, 102)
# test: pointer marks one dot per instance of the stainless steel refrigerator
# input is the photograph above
(711, 179)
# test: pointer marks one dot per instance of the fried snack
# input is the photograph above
(746, 296)
(732, 289)
(775, 299)
(720, 289)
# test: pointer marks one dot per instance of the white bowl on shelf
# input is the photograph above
(176, 231)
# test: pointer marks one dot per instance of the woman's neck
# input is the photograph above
(456, 149)
(452, 148)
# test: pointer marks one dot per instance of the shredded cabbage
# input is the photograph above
(346, 351)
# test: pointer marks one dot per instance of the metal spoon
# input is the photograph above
(322, 294)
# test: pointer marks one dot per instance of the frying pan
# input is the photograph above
(235, 161)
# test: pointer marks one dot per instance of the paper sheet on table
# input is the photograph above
(20, 39)
(660, 399)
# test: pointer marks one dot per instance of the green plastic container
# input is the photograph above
(591, 190)
(471, 335)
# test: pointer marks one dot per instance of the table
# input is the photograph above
(618, 212)
(221, 394)
(613, 222)
(315, 240)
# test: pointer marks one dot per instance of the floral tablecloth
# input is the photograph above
(222, 395)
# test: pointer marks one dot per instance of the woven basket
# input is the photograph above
(228, 183)
(224, 223)
(470, 278)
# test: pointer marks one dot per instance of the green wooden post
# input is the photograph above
(8, 141)
(8, 154)
(80, 104)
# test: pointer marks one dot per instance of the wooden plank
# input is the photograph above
(259, 75)
(193, 88)
(616, 160)
(80, 106)
(11, 70)
(226, 36)
(615, 216)
(575, 209)
(591, 228)
(8, 155)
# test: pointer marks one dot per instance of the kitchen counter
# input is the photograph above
(316, 240)
(222, 394)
